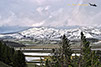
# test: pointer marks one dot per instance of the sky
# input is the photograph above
(52, 13)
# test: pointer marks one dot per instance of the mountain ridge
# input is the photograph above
(53, 33)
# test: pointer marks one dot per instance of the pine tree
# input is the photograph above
(67, 52)
(1, 51)
(3, 48)
(62, 56)
(11, 57)
(85, 60)
(95, 59)
(6, 55)
(19, 59)
(11, 53)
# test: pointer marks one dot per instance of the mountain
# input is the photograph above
(54, 33)
(11, 29)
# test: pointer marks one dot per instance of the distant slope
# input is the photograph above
(3, 64)
(13, 44)
(54, 34)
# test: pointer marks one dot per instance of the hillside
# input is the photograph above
(3, 64)
(53, 33)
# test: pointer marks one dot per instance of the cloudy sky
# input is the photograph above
(55, 13)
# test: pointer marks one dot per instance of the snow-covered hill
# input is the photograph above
(54, 34)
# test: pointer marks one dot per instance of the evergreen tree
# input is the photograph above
(1, 51)
(95, 59)
(66, 50)
(6, 55)
(11, 53)
(19, 59)
(3, 48)
(11, 57)
(89, 58)
(85, 58)
(62, 56)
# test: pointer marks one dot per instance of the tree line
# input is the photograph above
(11, 57)
(62, 57)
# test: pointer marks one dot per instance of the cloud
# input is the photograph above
(50, 16)
(57, 12)
(42, 2)
(8, 21)
(47, 7)
(83, 16)
(13, 20)
(48, 13)
(40, 9)
(38, 24)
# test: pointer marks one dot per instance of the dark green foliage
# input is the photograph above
(94, 59)
(66, 47)
(47, 63)
(3, 64)
(85, 58)
(88, 58)
(8, 55)
(19, 59)
(62, 56)
(66, 51)
(1, 51)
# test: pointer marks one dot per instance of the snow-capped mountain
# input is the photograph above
(54, 34)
